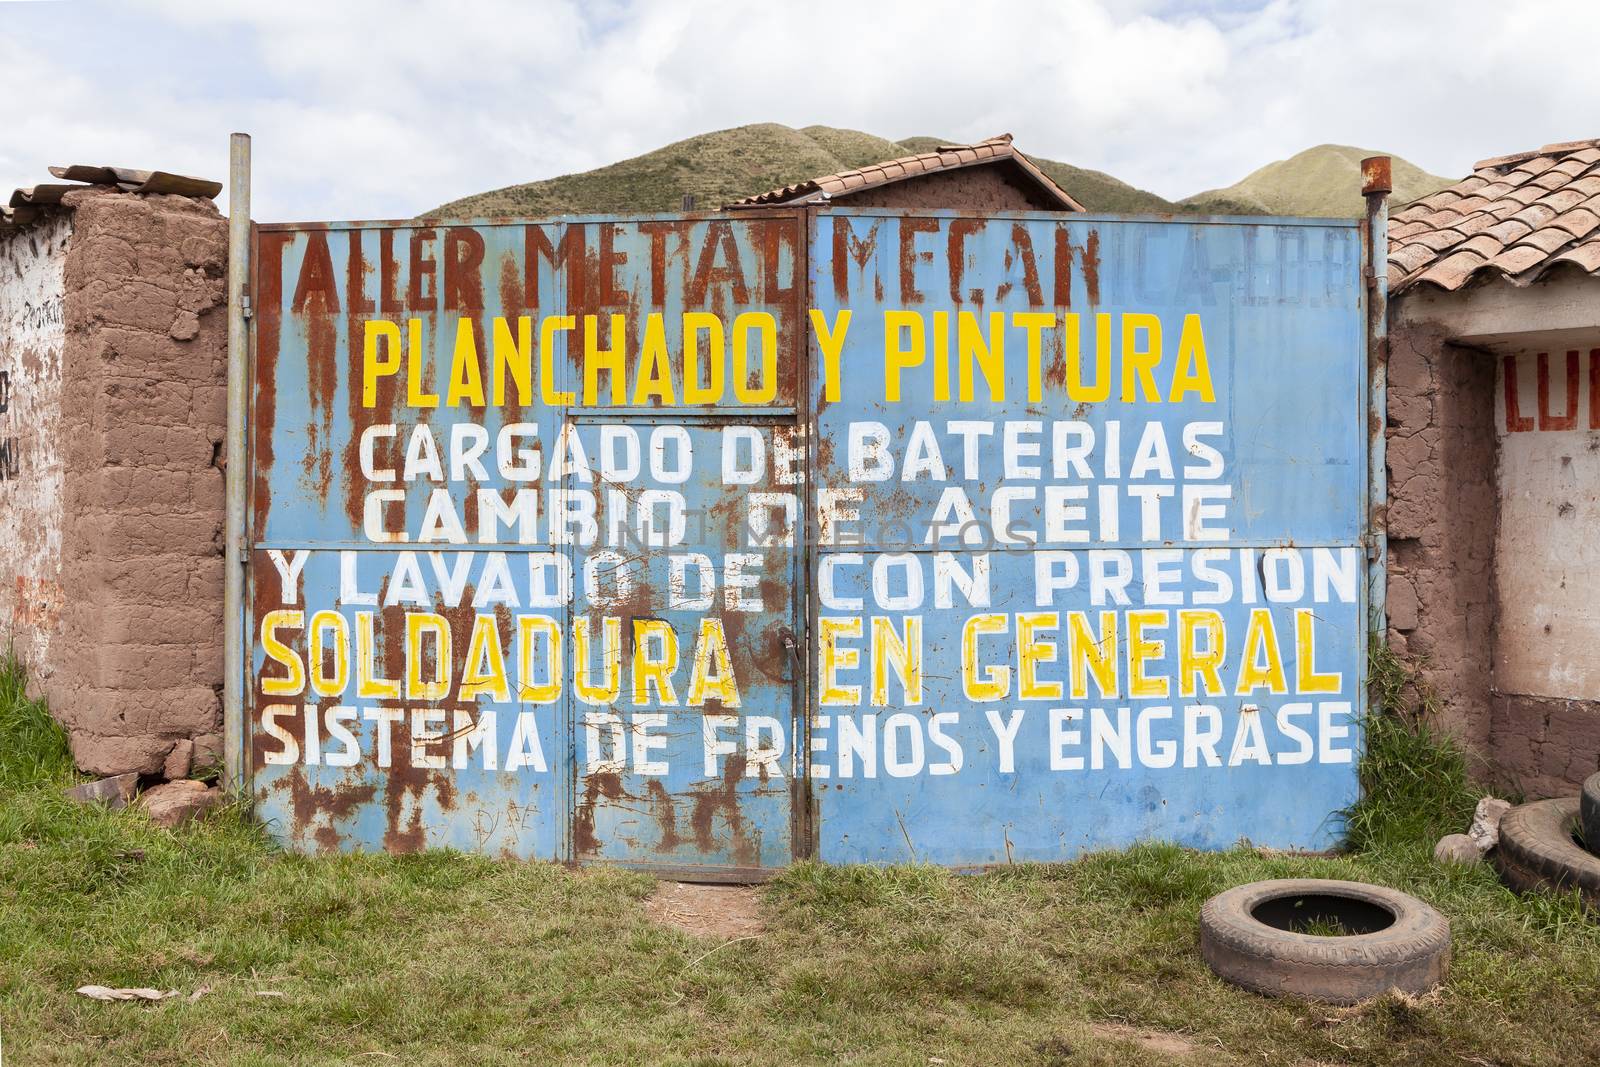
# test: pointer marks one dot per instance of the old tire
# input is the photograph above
(1589, 813)
(1398, 942)
(1537, 850)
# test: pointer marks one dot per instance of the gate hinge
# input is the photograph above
(245, 308)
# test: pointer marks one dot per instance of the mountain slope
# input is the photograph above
(729, 164)
(1324, 181)
(715, 167)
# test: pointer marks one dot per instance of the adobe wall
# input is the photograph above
(32, 337)
(1492, 506)
(980, 188)
(1441, 462)
(131, 658)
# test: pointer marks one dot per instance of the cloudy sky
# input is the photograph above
(384, 108)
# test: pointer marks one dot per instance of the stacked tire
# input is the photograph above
(1554, 844)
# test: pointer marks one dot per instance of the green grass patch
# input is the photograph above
(1414, 782)
(453, 959)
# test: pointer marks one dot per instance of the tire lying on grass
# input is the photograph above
(1589, 813)
(1252, 936)
(1537, 850)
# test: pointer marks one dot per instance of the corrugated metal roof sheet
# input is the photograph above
(945, 157)
(1516, 217)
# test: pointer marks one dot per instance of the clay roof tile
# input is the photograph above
(1497, 162)
(1476, 223)
(1588, 184)
(1549, 240)
(1561, 200)
(1519, 258)
(1439, 240)
(1443, 198)
(1509, 231)
(1585, 255)
(1453, 271)
(1531, 167)
(1579, 221)
(1412, 257)
(1536, 215)
(1485, 245)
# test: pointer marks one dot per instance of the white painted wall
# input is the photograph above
(1547, 548)
(32, 337)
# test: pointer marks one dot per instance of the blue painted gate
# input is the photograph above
(703, 543)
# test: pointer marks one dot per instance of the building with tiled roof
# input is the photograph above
(1494, 458)
(1515, 217)
(991, 175)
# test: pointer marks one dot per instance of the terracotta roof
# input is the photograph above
(945, 157)
(26, 204)
(1516, 217)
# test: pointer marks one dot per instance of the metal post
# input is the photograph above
(236, 477)
(1376, 185)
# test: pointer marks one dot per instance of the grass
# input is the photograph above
(445, 958)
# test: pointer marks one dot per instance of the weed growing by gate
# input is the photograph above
(1414, 777)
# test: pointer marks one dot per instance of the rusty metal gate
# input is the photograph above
(702, 543)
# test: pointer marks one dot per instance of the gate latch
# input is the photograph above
(786, 635)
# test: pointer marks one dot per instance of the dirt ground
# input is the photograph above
(718, 911)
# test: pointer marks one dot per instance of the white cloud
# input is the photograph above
(378, 108)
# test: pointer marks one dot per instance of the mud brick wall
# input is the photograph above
(1447, 610)
(1442, 507)
(134, 668)
(1544, 746)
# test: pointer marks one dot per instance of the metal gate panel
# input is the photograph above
(378, 761)
(691, 769)
(416, 672)
(975, 529)
(954, 630)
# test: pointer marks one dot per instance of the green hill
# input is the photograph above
(1324, 181)
(731, 164)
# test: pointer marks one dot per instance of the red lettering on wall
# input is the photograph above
(1549, 420)
(1516, 422)
(1594, 388)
